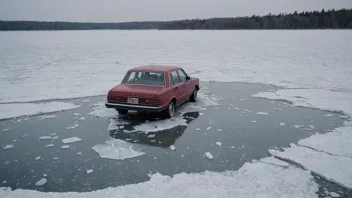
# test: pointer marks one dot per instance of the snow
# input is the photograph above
(89, 171)
(218, 143)
(71, 140)
(41, 182)
(333, 168)
(172, 147)
(117, 149)
(21, 109)
(262, 113)
(9, 146)
(5, 130)
(65, 146)
(45, 138)
(209, 155)
(49, 145)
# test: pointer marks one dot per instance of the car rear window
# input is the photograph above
(144, 78)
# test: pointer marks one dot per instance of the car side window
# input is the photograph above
(182, 74)
(174, 80)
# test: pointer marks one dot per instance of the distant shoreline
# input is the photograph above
(331, 19)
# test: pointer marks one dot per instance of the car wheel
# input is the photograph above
(194, 95)
(170, 111)
(122, 111)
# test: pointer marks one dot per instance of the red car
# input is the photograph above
(153, 89)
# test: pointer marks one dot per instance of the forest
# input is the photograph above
(330, 19)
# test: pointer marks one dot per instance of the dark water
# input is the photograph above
(242, 140)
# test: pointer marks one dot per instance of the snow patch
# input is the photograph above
(29, 109)
(117, 149)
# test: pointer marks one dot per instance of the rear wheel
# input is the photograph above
(170, 111)
(122, 111)
(194, 95)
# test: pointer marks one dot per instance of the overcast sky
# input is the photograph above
(145, 10)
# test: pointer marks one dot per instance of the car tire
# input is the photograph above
(122, 111)
(170, 111)
(194, 95)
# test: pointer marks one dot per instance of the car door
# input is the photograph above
(186, 85)
(175, 84)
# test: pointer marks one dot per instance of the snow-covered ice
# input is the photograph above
(45, 137)
(262, 113)
(29, 109)
(333, 168)
(172, 147)
(117, 149)
(159, 125)
(218, 143)
(71, 140)
(8, 146)
(116, 123)
(41, 182)
(100, 111)
(65, 146)
(209, 155)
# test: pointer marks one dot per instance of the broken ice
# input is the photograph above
(45, 138)
(9, 146)
(209, 155)
(71, 140)
(65, 146)
(89, 171)
(172, 147)
(262, 113)
(218, 143)
(41, 182)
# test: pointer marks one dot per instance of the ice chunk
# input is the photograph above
(311, 126)
(65, 146)
(209, 155)
(44, 175)
(297, 126)
(282, 123)
(89, 171)
(41, 182)
(208, 128)
(49, 145)
(262, 113)
(343, 116)
(76, 114)
(21, 109)
(197, 129)
(9, 146)
(329, 115)
(333, 194)
(232, 147)
(56, 158)
(82, 118)
(201, 113)
(172, 147)
(218, 143)
(254, 121)
(5, 129)
(45, 138)
(159, 125)
(37, 158)
(115, 124)
(55, 137)
(117, 149)
(53, 134)
(334, 168)
(79, 153)
(121, 127)
(71, 140)
(277, 109)
(86, 100)
(73, 126)
(151, 136)
(46, 116)
(219, 130)
(246, 110)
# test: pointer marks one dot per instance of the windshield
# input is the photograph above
(144, 78)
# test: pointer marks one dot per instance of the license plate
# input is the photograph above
(133, 100)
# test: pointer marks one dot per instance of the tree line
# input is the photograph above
(330, 19)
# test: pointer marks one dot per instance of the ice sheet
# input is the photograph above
(117, 149)
(159, 125)
(333, 168)
(22, 109)
(257, 179)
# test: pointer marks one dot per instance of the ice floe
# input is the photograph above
(65, 146)
(73, 126)
(71, 140)
(209, 155)
(262, 113)
(29, 109)
(172, 147)
(8, 146)
(117, 149)
(89, 171)
(43, 117)
(49, 145)
(159, 125)
(282, 123)
(45, 138)
(5, 129)
(218, 143)
(41, 182)
(208, 128)
(37, 158)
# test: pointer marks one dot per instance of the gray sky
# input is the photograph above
(143, 10)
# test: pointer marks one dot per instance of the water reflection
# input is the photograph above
(163, 138)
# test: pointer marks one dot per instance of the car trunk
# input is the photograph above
(139, 91)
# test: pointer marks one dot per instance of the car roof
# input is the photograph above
(155, 68)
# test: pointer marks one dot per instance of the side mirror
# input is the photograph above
(188, 78)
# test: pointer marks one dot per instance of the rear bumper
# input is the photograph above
(134, 107)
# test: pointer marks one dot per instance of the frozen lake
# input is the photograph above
(311, 68)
